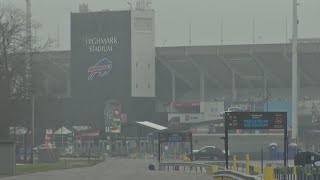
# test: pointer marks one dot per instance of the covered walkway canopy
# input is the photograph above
(62, 131)
(141, 129)
(151, 125)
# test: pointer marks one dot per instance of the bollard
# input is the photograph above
(176, 168)
(294, 171)
(214, 168)
(234, 162)
(151, 167)
(248, 164)
(268, 173)
(256, 170)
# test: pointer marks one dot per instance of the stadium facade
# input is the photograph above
(114, 64)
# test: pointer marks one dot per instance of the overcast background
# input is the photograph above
(174, 16)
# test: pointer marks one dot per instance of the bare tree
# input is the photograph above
(13, 46)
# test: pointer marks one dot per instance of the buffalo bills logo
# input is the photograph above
(101, 69)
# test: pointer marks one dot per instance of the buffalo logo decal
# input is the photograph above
(101, 68)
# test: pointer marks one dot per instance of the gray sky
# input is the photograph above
(174, 16)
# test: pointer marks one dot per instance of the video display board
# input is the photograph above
(256, 120)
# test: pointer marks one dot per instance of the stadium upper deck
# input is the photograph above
(253, 66)
(250, 64)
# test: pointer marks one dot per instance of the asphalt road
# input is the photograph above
(114, 169)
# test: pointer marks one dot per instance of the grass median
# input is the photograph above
(62, 164)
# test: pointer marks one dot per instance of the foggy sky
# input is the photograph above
(174, 16)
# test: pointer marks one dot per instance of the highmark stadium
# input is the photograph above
(115, 81)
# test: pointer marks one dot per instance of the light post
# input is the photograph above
(294, 71)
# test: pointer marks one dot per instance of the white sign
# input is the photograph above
(186, 118)
(49, 131)
(211, 107)
(208, 111)
(306, 107)
(211, 110)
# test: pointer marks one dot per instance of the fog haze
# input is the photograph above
(173, 18)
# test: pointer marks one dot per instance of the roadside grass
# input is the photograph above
(62, 164)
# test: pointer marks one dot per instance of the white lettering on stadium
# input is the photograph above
(100, 48)
(104, 44)
(101, 41)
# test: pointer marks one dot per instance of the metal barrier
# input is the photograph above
(297, 173)
(233, 175)
(216, 169)
(185, 166)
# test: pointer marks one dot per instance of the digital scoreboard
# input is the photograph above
(256, 120)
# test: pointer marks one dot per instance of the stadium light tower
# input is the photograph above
(294, 71)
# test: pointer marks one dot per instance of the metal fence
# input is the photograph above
(186, 166)
(216, 169)
(297, 173)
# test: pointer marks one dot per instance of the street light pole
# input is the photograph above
(294, 71)
(32, 129)
(32, 123)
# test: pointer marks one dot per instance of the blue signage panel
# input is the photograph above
(176, 137)
(256, 120)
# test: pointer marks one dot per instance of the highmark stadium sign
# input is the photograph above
(100, 44)
(103, 44)
(100, 55)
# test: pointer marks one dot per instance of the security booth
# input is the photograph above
(88, 141)
(140, 137)
(63, 138)
(175, 145)
(8, 158)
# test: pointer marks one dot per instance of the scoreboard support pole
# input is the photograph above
(285, 151)
(226, 141)
(159, 150)
(191, 149)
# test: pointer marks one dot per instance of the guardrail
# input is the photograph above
(233, 175)
(297, 173)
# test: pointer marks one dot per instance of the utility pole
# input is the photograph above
(294, 71)
(221, 32)
(28, 48)
(253, 32)
(29, 93)
(190, 34)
